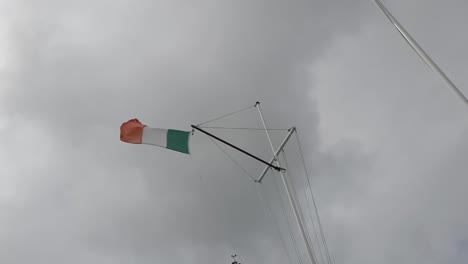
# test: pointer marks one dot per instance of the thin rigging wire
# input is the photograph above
(271, 216)
(247, 128)
(227, 154)
(308, 209)
(310, 250)
(283, 210)
(313, 200)
(296, 197)
(235, 112)
(276, 184)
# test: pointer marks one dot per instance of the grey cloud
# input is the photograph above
(403, 197)
(79, 69)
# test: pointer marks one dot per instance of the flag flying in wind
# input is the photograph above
(134, 132)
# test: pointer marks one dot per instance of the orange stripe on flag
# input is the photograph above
(132, 131)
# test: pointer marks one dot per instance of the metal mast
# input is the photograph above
(421, 52)
(292, 200)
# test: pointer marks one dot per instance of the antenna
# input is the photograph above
(234, 258)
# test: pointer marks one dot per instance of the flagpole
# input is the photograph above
(289, 192)
(280, 148)
(421, 52)
(237, 148)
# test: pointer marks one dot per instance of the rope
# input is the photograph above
(308, 209)
(299, 257)
(295, 195)
(271, 216)
(247, 128)
(227, 154)
(235, 112)
(313, 200)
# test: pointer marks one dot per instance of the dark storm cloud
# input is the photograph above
(384, 139)
(79, 69)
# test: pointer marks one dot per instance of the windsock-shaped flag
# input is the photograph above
(134, 132)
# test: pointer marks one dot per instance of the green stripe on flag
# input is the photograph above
(178, 140)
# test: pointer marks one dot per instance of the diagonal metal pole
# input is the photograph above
(237, 148)
(280, 148)
(421, 52)
(292, 200)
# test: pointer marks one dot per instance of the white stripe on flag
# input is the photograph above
(155, 136)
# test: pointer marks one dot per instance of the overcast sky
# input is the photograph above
(384, 139)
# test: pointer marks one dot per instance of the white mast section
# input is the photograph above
(286, 139)
(297, 213)
(421, 52)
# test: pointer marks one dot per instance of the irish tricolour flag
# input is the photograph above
(134, 132)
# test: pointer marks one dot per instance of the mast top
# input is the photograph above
(235, 261)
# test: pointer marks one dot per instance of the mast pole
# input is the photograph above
(422, 54)
(297, 213)
(280, 148)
